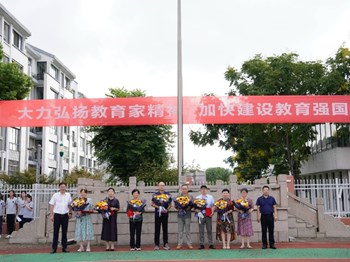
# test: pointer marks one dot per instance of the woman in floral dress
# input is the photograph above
(84, 230)
(225, 225)
(245, 225)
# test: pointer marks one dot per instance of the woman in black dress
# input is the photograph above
(109, 225)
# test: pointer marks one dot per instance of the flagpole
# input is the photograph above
(180, 157)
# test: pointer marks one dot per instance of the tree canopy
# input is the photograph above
(140, 151)
(276, 148)
(217, 173)
(14, 84)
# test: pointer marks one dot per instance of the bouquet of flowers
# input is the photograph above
(201, 205)
(161, 200)
(79, 204)
(103, 208)
(135, 205)
(183, 203)
(222, 208)
(242, 204)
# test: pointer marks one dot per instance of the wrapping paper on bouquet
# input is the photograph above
(103, 208)
(201, 205)
(183, 204)
(79, 204)
(242, 205)
(222, 208)
(162, 201)
(135, 205)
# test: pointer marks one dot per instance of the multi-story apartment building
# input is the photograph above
(53, 80)
(330, 153)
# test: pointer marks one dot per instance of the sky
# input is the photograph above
(132, 43)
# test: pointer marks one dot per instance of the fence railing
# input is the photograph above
(41, 193)
(335, 194)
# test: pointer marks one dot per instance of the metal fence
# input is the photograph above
(334, 192)
(41, 193)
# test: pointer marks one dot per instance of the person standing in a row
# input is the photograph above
(11, 211)
(60, 212)
(161, 201)
(267, 214)
(109, 225)
(206, 222)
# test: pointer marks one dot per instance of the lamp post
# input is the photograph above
(179, 95)
(38, 163)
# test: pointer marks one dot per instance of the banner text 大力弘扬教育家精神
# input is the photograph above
(163, 110)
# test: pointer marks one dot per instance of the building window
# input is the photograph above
(73, 136)
(66, 82)
(7, 33)
(14, 139)
(82, 144)
(52, 150)
(82, 161)
(73, 157)
(41, 68)
(54, 72)
(52, 172)
(17, 40)
(53, 130)
(13, 167)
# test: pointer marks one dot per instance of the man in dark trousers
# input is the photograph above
(161, 201)
(267, 214)
(60, 212)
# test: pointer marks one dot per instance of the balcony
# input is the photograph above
(36, 132)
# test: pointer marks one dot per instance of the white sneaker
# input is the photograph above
(138, 249)
(166, 247)
(8, 236)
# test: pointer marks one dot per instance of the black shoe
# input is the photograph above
(65, 251)
(212, 247)
(53, 251)
(264, 247)
(201, 247)
(272, 247)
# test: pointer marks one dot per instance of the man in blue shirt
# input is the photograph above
(267, 214)
(161, 201)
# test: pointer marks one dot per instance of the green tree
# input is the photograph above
(72, 177)
(14, 84)
(133, 150)
(28, 177)
(258, 147)
(217, 173)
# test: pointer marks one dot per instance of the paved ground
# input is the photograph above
(305, 250)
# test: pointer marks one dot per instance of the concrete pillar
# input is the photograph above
(282, 181)
(132, 183)
(320, 215)
(234, 187)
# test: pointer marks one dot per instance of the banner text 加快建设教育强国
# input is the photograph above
(163, 110)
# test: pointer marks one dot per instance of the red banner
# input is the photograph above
(163, 110)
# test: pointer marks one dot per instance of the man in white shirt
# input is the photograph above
(60, 212)
(207, 219)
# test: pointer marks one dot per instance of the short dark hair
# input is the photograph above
(135, 190)
(62, 183)
(266, 187)
(83, 190)
(184, 185)
(111, 188)
(29, 196)
(225, 190)
(244, 190)
(13, 191)
(204, 186)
